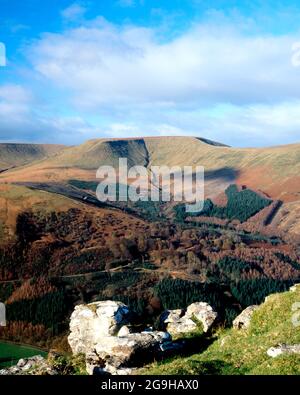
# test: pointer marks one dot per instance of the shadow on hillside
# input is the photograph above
(188, 346)
(195, 344)
(228, 174)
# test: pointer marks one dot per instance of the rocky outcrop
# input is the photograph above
(102, 331)
(90, 323)
(243, 320)
(118, 355)
(204, 313)
(172, 315)
(283, 349)
(36, 365)
(199, 314)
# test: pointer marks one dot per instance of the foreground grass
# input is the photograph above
(244, 351)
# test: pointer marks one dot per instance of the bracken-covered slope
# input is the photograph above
(15, 200)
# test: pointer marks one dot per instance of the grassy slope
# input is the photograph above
(19, 154)
(244, 352)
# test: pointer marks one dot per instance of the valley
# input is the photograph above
(60, 246)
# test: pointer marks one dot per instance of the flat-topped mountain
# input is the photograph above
(273, 170)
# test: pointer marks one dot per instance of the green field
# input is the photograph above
(11, 353)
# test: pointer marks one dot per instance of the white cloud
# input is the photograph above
(119, 129)
(248, 125)
(102, 64)
(211, 81)
(73, 12)
(169, 130)
(14, 101)
(22, 119)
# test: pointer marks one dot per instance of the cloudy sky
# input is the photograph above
(225, 70)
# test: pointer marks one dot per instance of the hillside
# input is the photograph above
(274, 170)
(250, 350)
(14, 200)
(14, 155)
(91, 154)
(60, 246)
(235, 351)
(56, 252)
(17, 200)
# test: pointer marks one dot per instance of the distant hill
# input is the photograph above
(13, 155)
(275, 170)
(93, 153)
(272, 170)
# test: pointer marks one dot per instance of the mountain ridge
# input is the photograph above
(273, 170)
(261, 168)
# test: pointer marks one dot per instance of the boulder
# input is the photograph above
(294, 287)
(171, 316)
(90, 323)
(283, 349)
(159, 336)
(125, 331)
(21, 363)
(184, 325)
(242, 321)
(113, 354)
(102, 331)
(204, 313)
(180, 321)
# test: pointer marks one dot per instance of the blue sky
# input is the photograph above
(224, 70)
